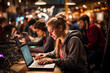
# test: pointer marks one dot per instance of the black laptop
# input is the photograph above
(18, 43)
(31, 64)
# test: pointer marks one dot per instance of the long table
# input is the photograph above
(20, 67)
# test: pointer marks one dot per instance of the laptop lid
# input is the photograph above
(30, 62)
(26, 54)
(17, 41)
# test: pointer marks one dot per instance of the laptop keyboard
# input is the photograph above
(35, 64)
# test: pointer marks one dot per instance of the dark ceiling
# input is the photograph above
(29, 4)
(58, 3)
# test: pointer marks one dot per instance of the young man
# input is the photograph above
(93, 39)
(3, 22)
(46, 44)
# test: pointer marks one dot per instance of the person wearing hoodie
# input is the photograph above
(69, 54)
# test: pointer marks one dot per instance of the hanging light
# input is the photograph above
(19, 1)
(70, 3)
(40, 2)
(8, 3)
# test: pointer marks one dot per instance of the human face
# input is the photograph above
(82, 24)
(53, 32)
(39, 32)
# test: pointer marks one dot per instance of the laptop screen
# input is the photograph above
(26, 54)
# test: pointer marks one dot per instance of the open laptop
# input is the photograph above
(17, 41)
(31, 64)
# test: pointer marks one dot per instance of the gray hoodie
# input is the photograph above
(74, 55)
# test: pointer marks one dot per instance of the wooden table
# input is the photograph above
(21, 68)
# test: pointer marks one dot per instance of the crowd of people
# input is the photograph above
(73, 45)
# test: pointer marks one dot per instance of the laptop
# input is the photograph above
(31, 64)
(17, 41)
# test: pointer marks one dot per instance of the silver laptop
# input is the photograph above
(31, 64)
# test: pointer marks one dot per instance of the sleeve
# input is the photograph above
(38, 43)
(71, 59)
(92, 37)
(48, 46)
(51, 54)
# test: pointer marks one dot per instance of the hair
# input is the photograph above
(56, 22)
(85, 18)
(31, 22)
(9, 27)
(13, 19)
(61, 14)
(7, 31)
(40, 24)
(2, 20)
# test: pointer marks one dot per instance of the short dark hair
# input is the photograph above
(2, 20)
(31, 22)
(85, 18)
(13, 19)
(40, 24)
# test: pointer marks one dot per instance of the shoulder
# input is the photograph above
(92, 26)
(49, 38)
(73, 40)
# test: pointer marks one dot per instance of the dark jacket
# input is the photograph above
(74, 55)
(1, 33)
(96, 38)
(23, 28)
(46, 45)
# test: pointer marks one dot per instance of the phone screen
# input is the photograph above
(1, 55)
(32, 46)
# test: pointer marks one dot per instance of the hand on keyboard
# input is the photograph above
(45, 61)
(40, 56)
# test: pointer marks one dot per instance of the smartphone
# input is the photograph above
(1, 56)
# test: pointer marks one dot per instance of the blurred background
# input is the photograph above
(18, 9)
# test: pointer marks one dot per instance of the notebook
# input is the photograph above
(31, 64)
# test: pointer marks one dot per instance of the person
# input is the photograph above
(46, 44)
(69, 53)
(31, 31)
(94, 42)
(23, 27)
(13, 21)
(9, 32)
(74, 25)
(3, 23)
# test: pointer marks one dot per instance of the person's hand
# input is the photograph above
(18, 35)
(45, 61)
(39, 56)
(23, 41)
